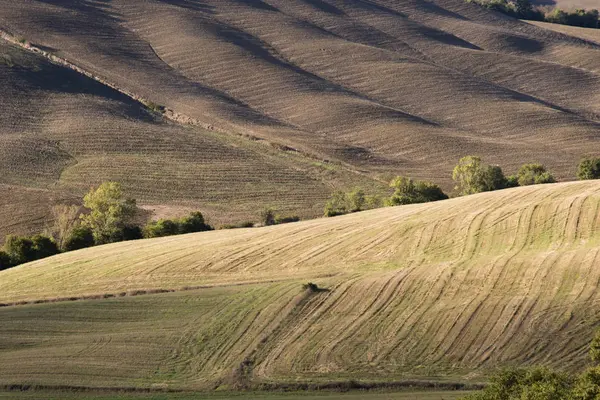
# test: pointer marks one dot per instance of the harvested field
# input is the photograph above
(443, 292)
(346, 92)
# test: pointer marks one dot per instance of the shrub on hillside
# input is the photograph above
(193, 223)
(20, 249)
(407, 191)
(245, 224)
(5, 262)
(340, 202)
(160, 228)
(356, 200)
(337, 204)
(169, 227)
(589, 168)
(471, 176)
(267, 217)
(80, 238)
(43, 246)
(579, 17)
(127, 233)
(534, 174)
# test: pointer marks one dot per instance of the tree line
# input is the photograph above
(107, 216)
(523, 9)
(541, 383)
(471, 175)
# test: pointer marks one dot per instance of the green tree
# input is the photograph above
(337, 204)
(356, 200)
(471, 176)
(193, 223)
(160, 228)
(109, 211)
(19, 249)
(534, 174)
(589, 168)
(407, 191)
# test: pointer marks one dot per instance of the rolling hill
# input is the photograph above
(278, 102)
(445, 291)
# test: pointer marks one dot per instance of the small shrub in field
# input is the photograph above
(312, 287)
(80, 238)
(267, 217)
(589, 168)
(407, 191)
(534, 174)
(193, 223)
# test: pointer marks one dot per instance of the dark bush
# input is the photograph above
(19, 249)
(43, 246)
(589, 168)
(127, 233)
(5, 262)
(512, 181)
(80, 238)
(267, 217)
(193, 223)
(167, 227)
(312, 287)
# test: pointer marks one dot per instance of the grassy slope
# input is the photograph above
(383, 87)
(437, 291)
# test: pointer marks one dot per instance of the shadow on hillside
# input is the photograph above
(323, 6)
(259, 4)
(191, 5)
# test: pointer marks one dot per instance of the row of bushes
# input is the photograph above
(107, 217)
(471, 176)
(540, 383)
(523, 9)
